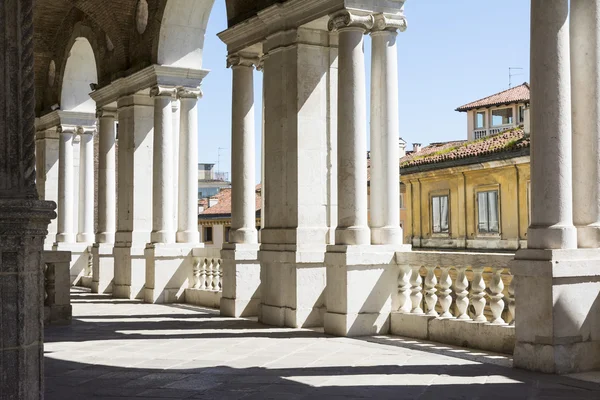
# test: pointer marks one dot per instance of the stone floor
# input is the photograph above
(129, 350)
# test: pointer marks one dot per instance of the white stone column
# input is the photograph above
(551, 158)
(107, 178)
(385, 131)
(65, 230)
(162, 211)
(243, 208)
(585, 81)
(86, 185)
(176, 131)
(188, 167)
(352, 129)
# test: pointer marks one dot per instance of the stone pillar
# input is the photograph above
(551, 173)
(188, 167)
(176, 132)
(103, 267)
(241, 270)
(134, 208)
(66, 197)
(556, 286)
(23, 219)
(352, 129)
(385, 152)
(107, 179)
(86, 186)
(162, 211)
(46, 156)
(585, 82)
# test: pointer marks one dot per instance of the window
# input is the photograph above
(207, 234)
(480, 120)
(226, 234)
(501, 117)
(487, 204)
(521, 114)
(439, 212)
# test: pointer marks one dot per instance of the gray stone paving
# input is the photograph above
(129, 350)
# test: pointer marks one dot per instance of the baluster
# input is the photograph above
(220, 276)
(430, 290)
(445, 293)
(202, 274)
(216, 275)
(478, 294)
(209, 274)
(496, 296)
(416, 296)
(404, 303)
(462, 295)
(511, 300)
(50, 284)
(196, 273)
(90, 264)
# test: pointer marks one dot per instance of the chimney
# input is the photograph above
(213, 201)
(416, 147)
(527, 121)
(402, 146)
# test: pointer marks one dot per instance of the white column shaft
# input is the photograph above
(352, 140)
(107, 179)
(188, 170)
(176, 131)
(86, 188)
(163, 229)
(65, 232)
(385, 154)
(585, 80)
(551, 159)
(243, 157)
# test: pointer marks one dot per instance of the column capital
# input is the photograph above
(242, 60)
(261, 63)
(66, 129)
(86, 130)
(163, 91)
(346, 19)
(106, 113)
(189, 93)
(389, 23)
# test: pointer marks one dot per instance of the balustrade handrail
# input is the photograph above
(454, 259)
(208, 272)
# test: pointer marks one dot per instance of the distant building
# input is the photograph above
(497, 113)
(211, 182)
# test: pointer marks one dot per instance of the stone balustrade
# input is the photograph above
(207, 281)
(57, 287)
(464, 299)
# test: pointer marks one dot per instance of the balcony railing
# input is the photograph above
(481, 133)
(207, 278)
(465, 299)
(57, 287)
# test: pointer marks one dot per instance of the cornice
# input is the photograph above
(58, 118)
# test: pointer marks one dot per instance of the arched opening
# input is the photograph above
(182, 33)
(80, 71)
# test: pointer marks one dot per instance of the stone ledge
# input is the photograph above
(203, 298)
(482, 336)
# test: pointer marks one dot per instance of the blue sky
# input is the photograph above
(453, 52)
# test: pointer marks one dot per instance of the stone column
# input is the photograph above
(385, 152)
(107, 179)
(188, 167)
(585, 82)
(86, 186)
(176, 131)
(243, 207)
(551, 160)
(162, 211)
(65, 230)
(352, 129)
(23, 219)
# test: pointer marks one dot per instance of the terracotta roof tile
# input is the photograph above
(510, 140)
(223, 206)
(515, 95)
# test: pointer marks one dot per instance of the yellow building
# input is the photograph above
(472, 194)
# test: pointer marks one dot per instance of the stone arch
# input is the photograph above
(80, 70)
(180, 42)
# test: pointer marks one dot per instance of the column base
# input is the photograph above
(130, 271)
(552, 237)
(241, 280)
(105, 237)
(556, 294)
(103, 268)
(87, 238)
(387, 235)
(80, 267)
(588, 237)
(245, 236)
(293, 284)
(361, 284)
(162, 237)
(353, 235)
(169, 271)
(65, 238)
(191, 237)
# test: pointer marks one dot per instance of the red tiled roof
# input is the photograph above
(514, 95)
(223, 206)
(510, 140)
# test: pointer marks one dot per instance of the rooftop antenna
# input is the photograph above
(511, 74)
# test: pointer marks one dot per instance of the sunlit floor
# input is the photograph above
(129, 350)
